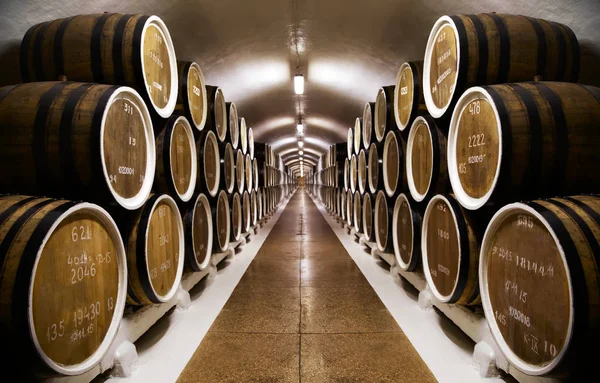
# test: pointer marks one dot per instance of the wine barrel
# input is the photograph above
(248, 170)
(235, 204)
(357, 213)
(406, 231)
(384, 119)
(63, 283)
(467, 50)
(155, 251)
(362, 172)
(375, 168)
(73, 139)
(255, 174)
(357, 136)
(353, 173)
(246, 212)
(539, 283)
(253, 208)
(343, 205)
(517, 141)
(260, 203)
(243, 135)
(221, 213)
(350, 143)
(450, 249)
(368, 122)
(191, 99)
(198, 226)
(409, 102)
(109, 48)
(383, 223)
(233, 127)
(177, 163)
(426, 165)
(216, 120)
(350, 208)
(260, 152)
(227, 167)
(394, 157)
(209, 161)
(346, 174)
(240, 173)
(250, 143)
(367, 217)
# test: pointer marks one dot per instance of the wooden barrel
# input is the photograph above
(406, 231)
(235, 205)
(209, 160)
(353, 173)
(350, 143)
(260, 152)
(384, 119)
(450, 249)
(343, 205)
(198, 226)
(467, 50)
(253, 208)
(394, 157)
(233, 125)
(367, 126)
(346, 174)
(255, 174)
(240, 173)
(246, 212)
(63, 283)
(260, 203)
(426, 165)
(357, 212)
(362, 172)
(216, 120)
(540, 286)
(221, 213)
(177, 163)
(375, 168)
(357, 135)
(517, 141)
(409, 102)
(250, 143)
(191, 99)
(155, 251)
(226, 167)
(349, 208)
(109, 48)
(243, 135)
(63, 136)
(367, 217)
(383, 223)
(248, 171)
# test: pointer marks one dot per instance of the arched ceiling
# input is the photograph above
(347, 50)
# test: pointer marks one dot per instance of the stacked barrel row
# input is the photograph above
(159, 158)
(456, 143)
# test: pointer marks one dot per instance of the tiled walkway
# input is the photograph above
(304, 312)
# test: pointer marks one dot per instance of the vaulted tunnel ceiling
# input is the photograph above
(347, 50)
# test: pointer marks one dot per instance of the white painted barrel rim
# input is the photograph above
(254, 206)
(135, 99)
(381, 97)
(246, 211)
(387, 143)
(173, 290)
(463, 198)
(357, 214)
(240, 180)
(437, 27)
(156, 21)
(248, 172)
(362, 175)
(229, 154)
(203, 200)
(366, 133)
(366, 232)
(519, 363)
(350, 142)
(372, 151)
(211, 139)
(349, 208)
(223, 197)
(357, 136)
(99, 354)
(255, 173)
(244, 135)
(400, 125)
(200, 127)
(353, 173)
(409, 173)
(430, 283)
(401, 198)
(380, 197)
(234, 131)
(220, 101)
(250, 143)
(187, 195)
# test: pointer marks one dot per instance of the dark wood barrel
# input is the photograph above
(209, 160)
(357, 212)
(221, 214)
(394, 168)
(357, 135)
(426, 164)
(255, 174)
(260, 203)
(343, 205)
(367, 217)
(521, 141)
(406, 229)
(216, 120)
(262, 174)
(375, 168)
(384, 119)
(226, 167)
(246, 212)
(350, 208)
(467, 50)
(350, 143)
(383, 215)
(240, 173)
(235, 204)
(260, 152)
(72, 139)
(248, 172)
(155, 251)
(198, 226)
(53, 250)
(409, 102)
(362, 172)
(191, 99)
(253, 208)
(109, 48)
(450, 248)
(368, 120)
(176, 159)
(250, 136)
(243, 136)
(353, 173)
(540, 284)
(233, 125)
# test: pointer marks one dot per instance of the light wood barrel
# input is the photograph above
(240, 173)
(357, 135)
(539, 283)
(177, 163)
(346, 174)
(350, 143)
(260, 203)
(250, 143)
(375, 168)
(450, 249)
(350, 208)
(243, 136)
(357, 213)
(246, 212)
(362, 172)
(406, 229)
(73, 139)
(408, 95)
(426, 164)
(517, 141)
(467, 50)
(109, 48)
(367, 217)
(367, 127)
(248, 171)
(255, 174)
(226, 167)
(63, 282)
(191, 99)
(343, 205)
(353, 173)
(253, 208)
(233, 125)
(384, 119)
(394, 157)
(221, 213)
(235, 204)
(155, 251)
(216, 120)
(209, 160)
(198, 227)
(383, 223)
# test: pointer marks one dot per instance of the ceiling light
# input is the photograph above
(299, 84)
(300, 144)
(300, 151)
(300, 128)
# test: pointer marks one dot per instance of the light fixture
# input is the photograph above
(300, 128)
(300, 151)
(300, 144)
(299, 84)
